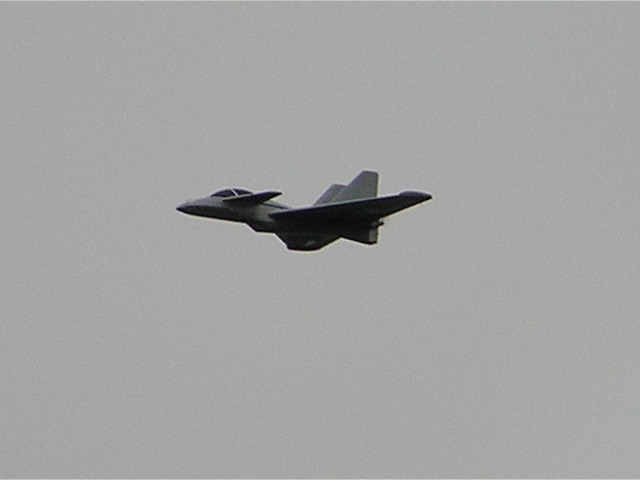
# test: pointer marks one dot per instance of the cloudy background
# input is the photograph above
(492, 332)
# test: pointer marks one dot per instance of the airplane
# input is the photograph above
(353, 212)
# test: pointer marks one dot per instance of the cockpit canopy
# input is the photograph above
(230, 192)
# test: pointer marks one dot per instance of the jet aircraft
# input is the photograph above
(352, 211)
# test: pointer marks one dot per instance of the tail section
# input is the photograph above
(365, 185)
(329, 194)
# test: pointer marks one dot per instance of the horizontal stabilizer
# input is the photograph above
(252, 198)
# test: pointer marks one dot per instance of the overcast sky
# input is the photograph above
(492, 332)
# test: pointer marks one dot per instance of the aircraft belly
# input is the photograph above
(306, 241)
(313, 235)
(323, 226)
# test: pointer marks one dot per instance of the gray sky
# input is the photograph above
(492, 332)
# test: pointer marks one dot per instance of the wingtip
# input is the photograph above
(419, 196)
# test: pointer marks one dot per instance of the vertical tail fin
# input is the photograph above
(365, 185)
(329, 194)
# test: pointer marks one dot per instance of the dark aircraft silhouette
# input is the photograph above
(352, 211)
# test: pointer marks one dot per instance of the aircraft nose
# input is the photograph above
(184, 208)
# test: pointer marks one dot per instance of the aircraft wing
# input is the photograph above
(252, 198)
(368, 209)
